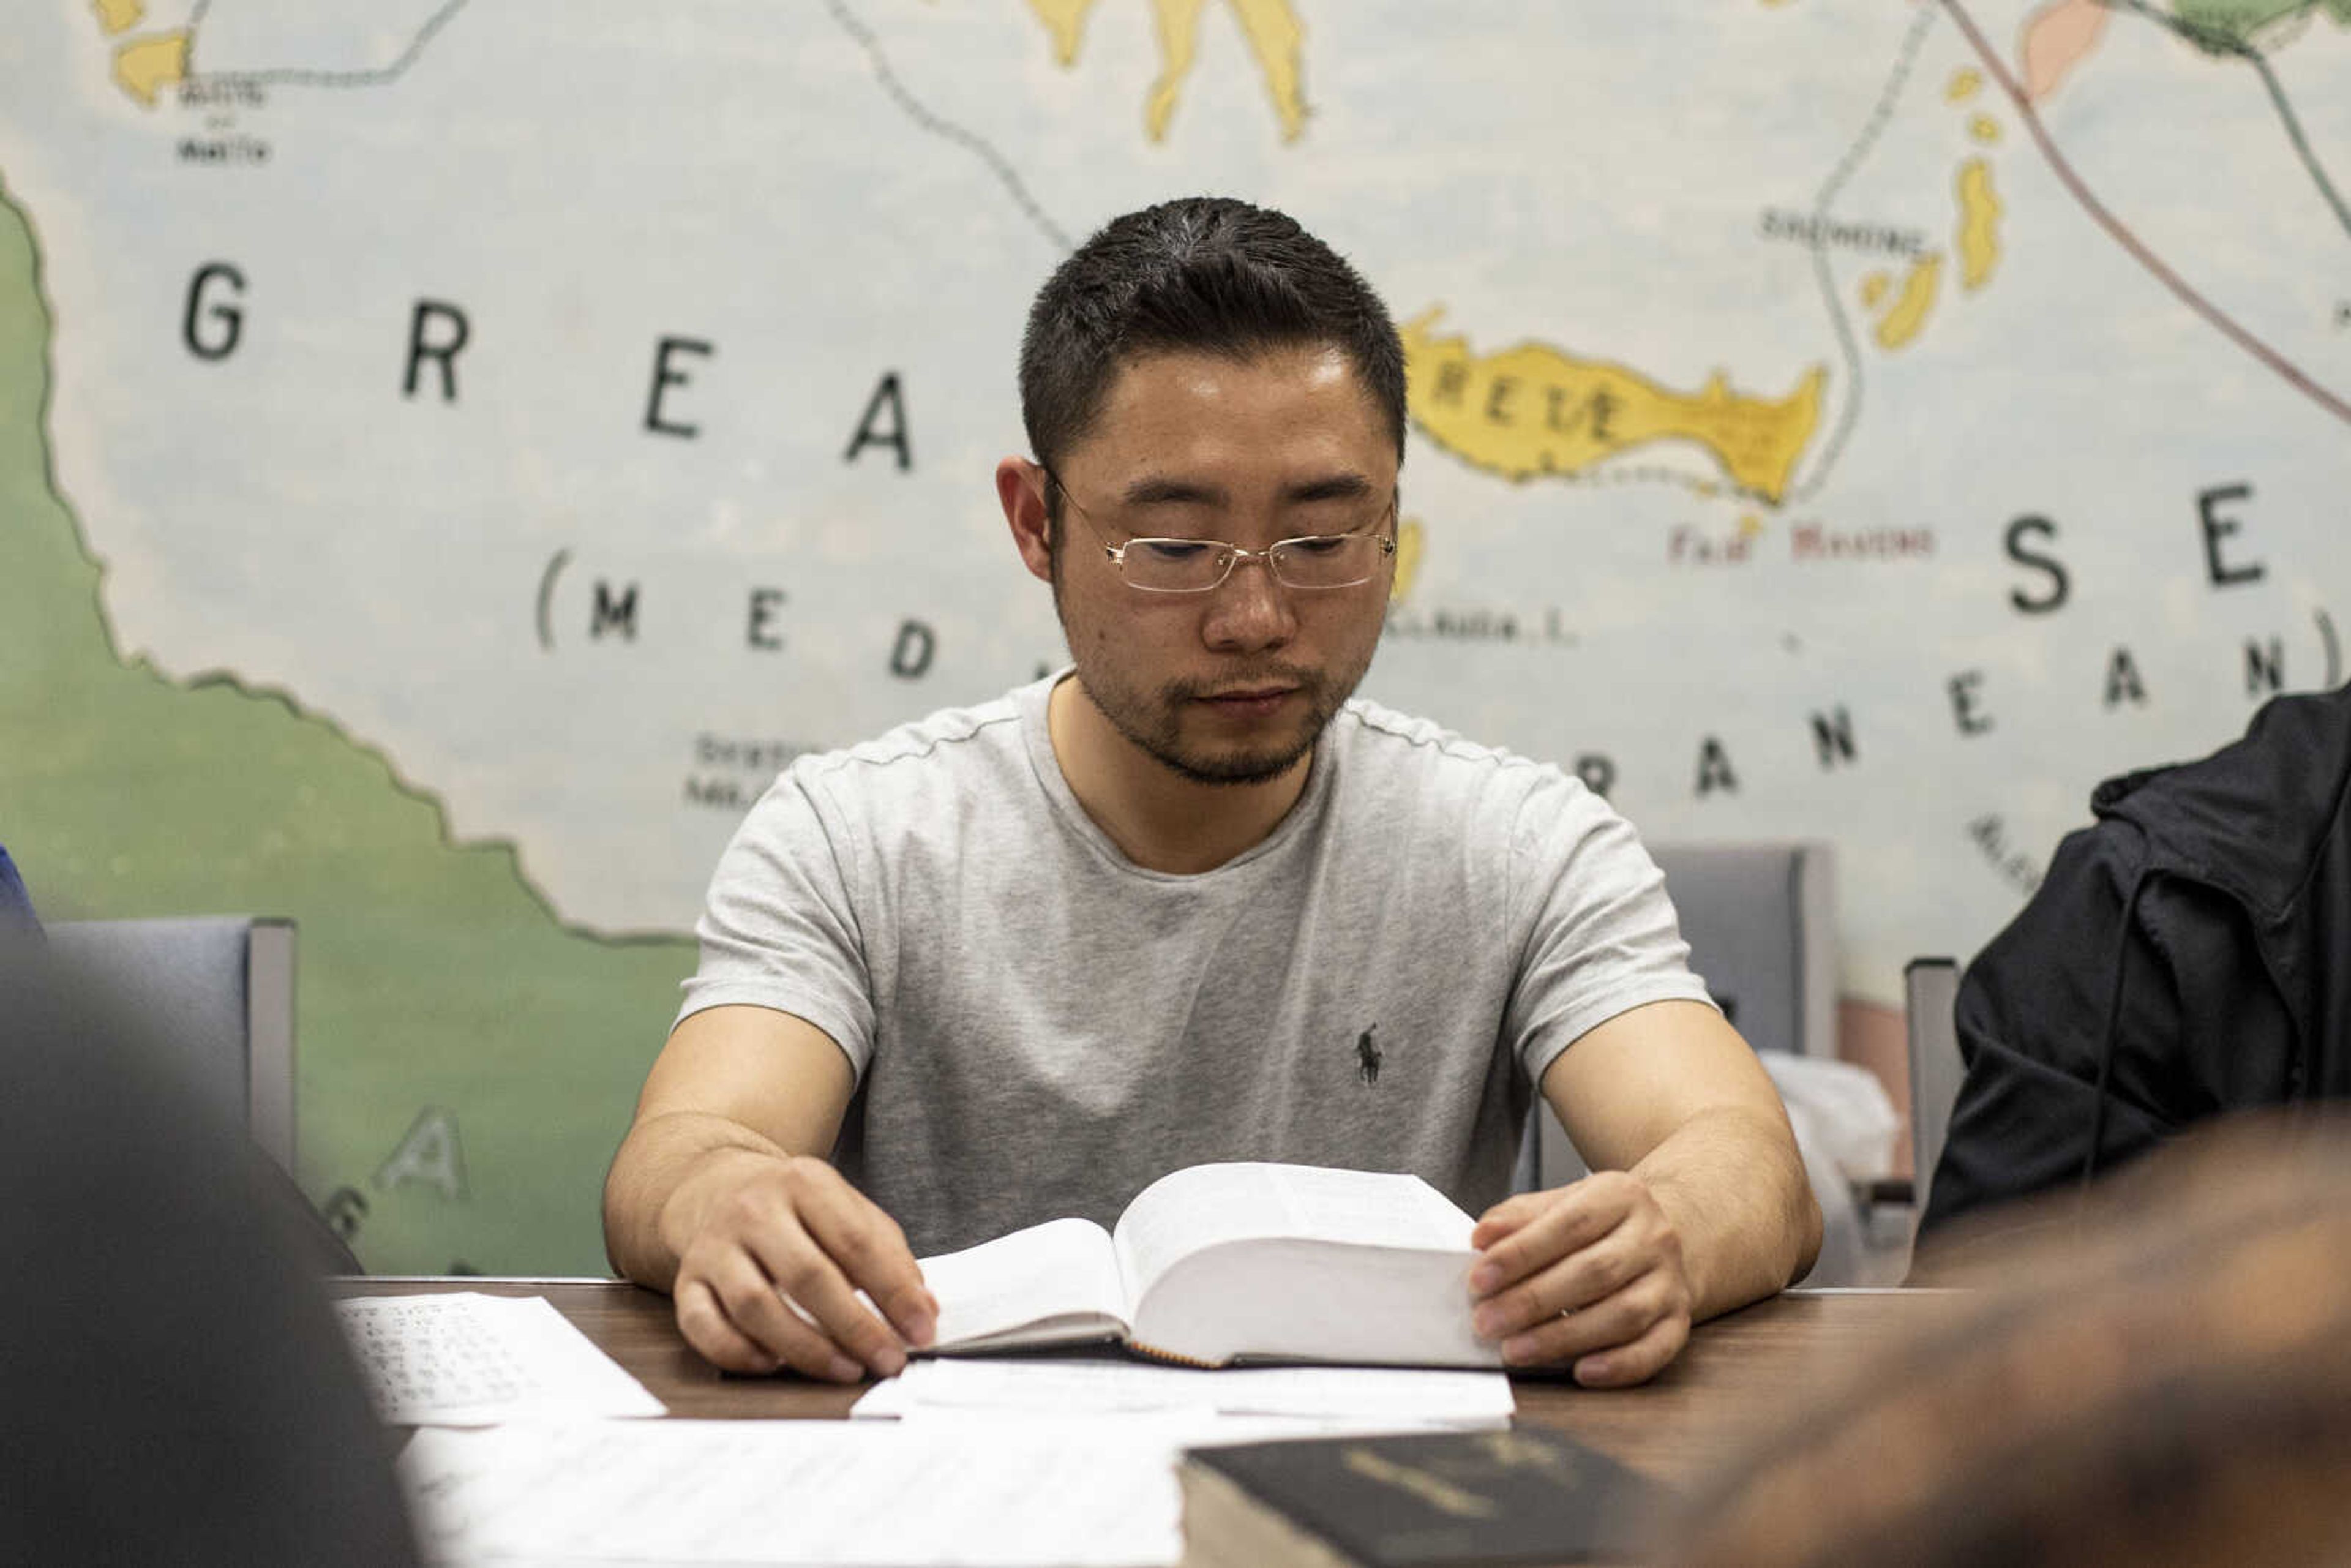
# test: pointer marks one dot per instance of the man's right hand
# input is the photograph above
(772, 1252)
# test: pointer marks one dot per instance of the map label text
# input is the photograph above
(2061, 585)
(2123, 682)
(759, 631)
(1877, 239)
(1989, 833)
(894, 435)
(665, 377)
(910, 655)
(615, 612)
(223, 93)
(2264, 666)
(1811, 541)
(1833, 738)
(1967, 692)
(230, 319)
(220, 151)
(1686, 545)
(440, 344)
(2217, 528)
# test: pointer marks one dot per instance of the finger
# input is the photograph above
(1600, 1327)
(748, 1293)
(1576, 1216)
(1580, 1279)
(800, 1268)
(1639, 1360)
(872, 1253)
(1508, 1216)
(705, 1327)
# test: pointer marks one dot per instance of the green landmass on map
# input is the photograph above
(429, 974)
(2234, 22)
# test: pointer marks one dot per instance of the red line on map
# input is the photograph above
(2122, 235)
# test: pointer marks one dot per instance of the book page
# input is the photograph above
(1204, 1206)
(1063, 1273)
(1372, 1208)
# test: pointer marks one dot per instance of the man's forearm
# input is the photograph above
(663, 1165)
(1735, 1186)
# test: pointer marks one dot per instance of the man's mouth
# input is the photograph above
(1249, 702)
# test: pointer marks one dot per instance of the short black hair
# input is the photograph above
(1203, 274)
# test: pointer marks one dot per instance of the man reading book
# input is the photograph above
(1188, 900)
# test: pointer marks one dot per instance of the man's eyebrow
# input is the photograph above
(1156, 489)
(1332, 488)
(1166, 489)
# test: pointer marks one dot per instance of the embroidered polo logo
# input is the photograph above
(1368, 1056)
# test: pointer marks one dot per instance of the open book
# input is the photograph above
(1217, 1263)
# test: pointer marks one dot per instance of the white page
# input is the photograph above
(468, 1359)
(1061, 1268)
(1075, 1387)
(1203, 1206)
(1384, 1210)
(1179, 1430)
(1054, 1387)
(1369, 1393)
(854, 1493)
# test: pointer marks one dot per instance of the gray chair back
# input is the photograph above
(1930, 988)
(227, 982)
(1760, 922)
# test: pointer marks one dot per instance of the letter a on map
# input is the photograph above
(430, 1155)
(896, 436)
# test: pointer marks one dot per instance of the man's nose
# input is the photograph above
(1250, 609)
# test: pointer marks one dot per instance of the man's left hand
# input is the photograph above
(1589, 1274)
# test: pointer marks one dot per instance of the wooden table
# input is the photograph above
(1739, 1376)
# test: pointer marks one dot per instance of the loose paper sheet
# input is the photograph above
(961, 1488)
(1063, 1387)
(793, 1492)
(471, 1359)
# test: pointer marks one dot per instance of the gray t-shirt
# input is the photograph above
(1041, 1028)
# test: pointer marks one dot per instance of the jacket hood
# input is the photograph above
(2257, 818)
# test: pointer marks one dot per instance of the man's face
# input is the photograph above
(1230, 685)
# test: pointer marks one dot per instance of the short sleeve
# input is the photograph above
(1599, 934)
(780, 929)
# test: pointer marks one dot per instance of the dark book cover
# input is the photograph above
(1526, 1495)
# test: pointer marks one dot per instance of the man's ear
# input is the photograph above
(1020, 489)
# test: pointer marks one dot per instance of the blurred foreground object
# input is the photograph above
(1418, 1499)
(175, 1389)
(2166, 1382)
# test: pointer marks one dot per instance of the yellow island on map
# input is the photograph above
(1902, 322)
(145, 66)
(1535, 410)
(1271, 28)
(1979, 212)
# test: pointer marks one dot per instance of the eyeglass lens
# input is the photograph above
(1179, 565)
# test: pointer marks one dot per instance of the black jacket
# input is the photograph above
(2188, 954)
